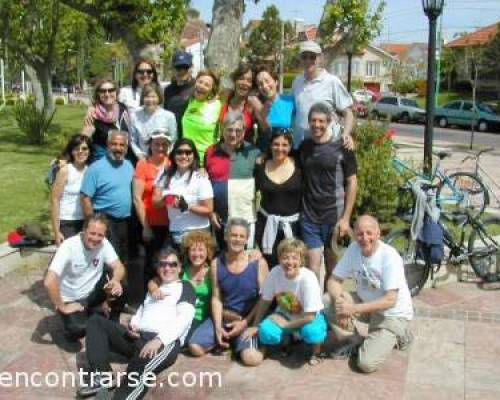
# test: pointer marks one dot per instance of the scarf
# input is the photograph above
(108, 117)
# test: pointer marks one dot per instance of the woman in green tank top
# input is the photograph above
(198, 248)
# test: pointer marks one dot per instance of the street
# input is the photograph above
(455, 136)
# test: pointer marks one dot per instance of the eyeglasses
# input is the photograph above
(144, 71)
(106, 90)
(185, 152)
(168, 264)
(238, 131)
(305, 56)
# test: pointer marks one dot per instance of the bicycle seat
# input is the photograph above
(443, 154)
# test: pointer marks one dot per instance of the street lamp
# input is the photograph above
(433, 9)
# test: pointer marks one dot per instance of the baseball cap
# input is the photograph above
(161, 133)
(182, 59)
(310, 47)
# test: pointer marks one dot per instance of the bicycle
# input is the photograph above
(458, 190)
(479, 170)
(481, 248)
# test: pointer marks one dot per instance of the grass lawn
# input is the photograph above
(24, 194)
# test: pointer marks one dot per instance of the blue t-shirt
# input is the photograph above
(281, 112)
(108, 184)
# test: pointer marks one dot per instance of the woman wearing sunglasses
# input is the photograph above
(105, 115)
(65, 207)
(186, 193)
(144, 73)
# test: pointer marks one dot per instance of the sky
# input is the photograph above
(404, 20)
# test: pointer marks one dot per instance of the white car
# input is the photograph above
(363, 95)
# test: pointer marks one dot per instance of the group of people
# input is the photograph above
(236, 199)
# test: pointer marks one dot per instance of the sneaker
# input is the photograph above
(404, 343)
(93, 388)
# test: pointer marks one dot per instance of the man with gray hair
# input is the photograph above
(317, 84)
(106, 188)
(330, 186)
(230, 165)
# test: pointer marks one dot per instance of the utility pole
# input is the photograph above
(2, 72)
(438, 55)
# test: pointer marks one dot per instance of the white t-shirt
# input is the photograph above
(294, 296)
(130, 98)
(78, 268)
(193, 190)
(377, 274)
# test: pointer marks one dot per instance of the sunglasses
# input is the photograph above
(183, 152)
(106, 90)
(81, 148)
(145, 71)
(169, 264)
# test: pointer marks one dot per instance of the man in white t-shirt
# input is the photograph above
(382, 295)
(77, 280)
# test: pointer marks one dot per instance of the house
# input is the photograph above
(412, 56)
(373, 66)
(308, 32)
(467, 47)
(194, 39)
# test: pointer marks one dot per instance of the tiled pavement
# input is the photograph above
(455, 354)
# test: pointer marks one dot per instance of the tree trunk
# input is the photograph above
(41, 82)
(223, 49)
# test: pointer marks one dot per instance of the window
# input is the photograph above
(355, 68)
(467, 106)
(453, 106)
(389, 100)
(372, 68)
(409, 103)
(338, 68)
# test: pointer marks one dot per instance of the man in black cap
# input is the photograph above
(178, 93)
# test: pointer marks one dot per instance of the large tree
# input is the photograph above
(30, 31)
(265, 40)
(349, 24)
(137, 22)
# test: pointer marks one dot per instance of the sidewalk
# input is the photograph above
(456, 353)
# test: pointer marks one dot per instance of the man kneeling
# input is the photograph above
(152, 339)
(382, 297)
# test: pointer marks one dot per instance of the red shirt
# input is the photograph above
(147, 172)
(247, 115)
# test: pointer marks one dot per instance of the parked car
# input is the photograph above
(398, 108)
(462, 113)
(359, 109)
(363, 95)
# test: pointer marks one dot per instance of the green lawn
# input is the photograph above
(24, 194)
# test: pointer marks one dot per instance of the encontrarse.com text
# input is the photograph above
(76, 379)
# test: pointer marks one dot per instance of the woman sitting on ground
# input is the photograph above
(198, 248)
(297, 293)
(65, 207)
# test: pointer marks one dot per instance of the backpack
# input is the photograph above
(430, 241)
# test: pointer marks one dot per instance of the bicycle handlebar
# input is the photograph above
(478, 154)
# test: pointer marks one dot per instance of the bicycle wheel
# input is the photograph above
(462, 190)
(416, 271)
(484, 248)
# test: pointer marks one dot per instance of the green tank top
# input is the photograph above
(203, 294)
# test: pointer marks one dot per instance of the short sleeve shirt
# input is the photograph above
(193, 188)
(327, 88)
(375, 275)
(80, 269)
(294, 296)
(325, 168)
(147, 172)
